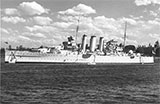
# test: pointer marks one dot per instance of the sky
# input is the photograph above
(33, 23)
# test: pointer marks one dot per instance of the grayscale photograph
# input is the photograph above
(80, 52)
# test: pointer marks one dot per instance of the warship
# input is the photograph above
(106, 52)
(71, 53)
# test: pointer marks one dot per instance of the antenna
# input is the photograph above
(125, 34)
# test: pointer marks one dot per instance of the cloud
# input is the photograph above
(84, 9)
(86, 25)
(90, 29)
(154, 22)
(128, 20)
(103, 18)
(62, 24)
(136, 18)
(99, 26)
(4, 31)
(66, 18)
(32, 8)
(152, 13)
(157, 19)
(39, 35)
(70, 18)
(155, 36)
(146, 2)
(137, 29)
(42, 20)
(105, 23)
(158, 11)
(11, 11)
(13, 20)
(80, 9)
(23, 38)
(45, 29)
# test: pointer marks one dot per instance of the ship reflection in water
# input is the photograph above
(80, 84)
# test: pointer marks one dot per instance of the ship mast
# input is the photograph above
(77, 28)
(125, 34)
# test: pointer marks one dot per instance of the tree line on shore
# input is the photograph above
(145, 50)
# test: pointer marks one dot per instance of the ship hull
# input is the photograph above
(23, 57)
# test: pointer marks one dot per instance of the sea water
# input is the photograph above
(80, 84)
